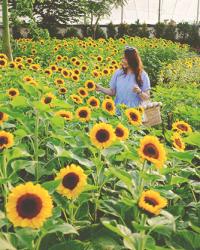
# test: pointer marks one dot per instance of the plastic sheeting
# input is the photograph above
(147, 11)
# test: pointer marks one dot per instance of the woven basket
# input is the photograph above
(152, 115)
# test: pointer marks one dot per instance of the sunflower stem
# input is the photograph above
(36, 145)
(142, 246)
(4, 170)
(141, 186)
(37, 247)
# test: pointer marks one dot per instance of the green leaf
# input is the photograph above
(112, 225)
(195, 228)
(64, 228)
(193, 139)
(57, 121)
(178, 180)
(51, 185)
(19, 101)
(122, 175)
(184, 156)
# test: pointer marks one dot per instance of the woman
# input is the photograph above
(130, 84)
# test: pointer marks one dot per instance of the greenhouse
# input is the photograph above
(100, 125)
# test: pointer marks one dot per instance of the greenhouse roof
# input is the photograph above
(147, 11)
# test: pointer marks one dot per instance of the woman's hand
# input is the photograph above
(137, 90)
(98, 87)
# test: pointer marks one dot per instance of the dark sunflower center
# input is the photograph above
(29, 206)
(2, 62)
(90, 85)
(62, 90)
(59, 82)
(151, 201)
(182, 127)
(151, 151)
(47, 100)
(70, 181)
(1, 115)
(119, 132)
(178, 142)
(74, 77)
(109, 106)
(3, 140)
(133, 116)
(82, 92)
(102, 135)
(83, 113)
(12, 92)
(93, 103)
(65, 115)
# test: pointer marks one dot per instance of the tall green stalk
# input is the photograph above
(6, 46)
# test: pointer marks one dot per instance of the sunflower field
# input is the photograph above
(73, 174)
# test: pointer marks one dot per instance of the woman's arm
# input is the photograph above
(144, 95)
(107, 91)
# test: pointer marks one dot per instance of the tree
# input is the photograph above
(50, 13)
(47, 14)
(6, 31)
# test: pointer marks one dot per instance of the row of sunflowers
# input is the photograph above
(76, 176)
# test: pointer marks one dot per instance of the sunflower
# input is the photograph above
(178, 142)
(12, 65)
(59, 81)
(134, 116)
(73, 181)
(48, 98)
(28, 78)
(77, 99)
(48, 72)
(3, 56)
(121, 132)
(20, 66)
(12, 92)
(3, 62)
(93, 102)
(90, 85)
(99, 58)
(62, 90)
(18, 59)
(181, 127)
(95, 73)
(35, 67)
(105, 71)
(83, 114)
(152, 202)
(102, 135)
(29, 205)
(84, 68)
(75, 77)
(59, 58)
(29, 60)
(152, 150)
(82, 92)
(65, 73)
(3, 117)
(109, 106)
(54, 67)
(67, 115)
(6, 140)
(76, 71)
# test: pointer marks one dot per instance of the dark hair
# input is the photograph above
(134, 61)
